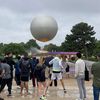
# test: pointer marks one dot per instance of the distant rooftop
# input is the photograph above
(66, 53)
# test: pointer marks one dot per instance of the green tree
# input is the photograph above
(97, 47)
(51, 47)
(1, 48)
(31, 43)
(82, 39)
(14, 48)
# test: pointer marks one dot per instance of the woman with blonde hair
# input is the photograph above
(40, 76)
(65, 65)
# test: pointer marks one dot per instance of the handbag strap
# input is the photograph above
(86, 67)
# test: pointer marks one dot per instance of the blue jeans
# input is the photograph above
(96, 92)
(81, 86)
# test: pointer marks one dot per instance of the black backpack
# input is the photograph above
(25, 67)
(86, 74)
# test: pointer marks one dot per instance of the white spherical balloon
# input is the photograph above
(44, 28)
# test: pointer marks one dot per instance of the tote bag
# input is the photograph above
(86, 74)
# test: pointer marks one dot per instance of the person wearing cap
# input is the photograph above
(96, 78)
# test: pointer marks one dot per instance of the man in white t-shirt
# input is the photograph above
(79, 75)
(56, 72)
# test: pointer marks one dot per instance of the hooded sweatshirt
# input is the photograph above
(57, 66)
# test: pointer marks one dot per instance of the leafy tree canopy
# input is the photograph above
(51, 47)
(31, 43)
(82, 39)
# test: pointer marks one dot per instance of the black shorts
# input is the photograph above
(24, 78)
(41, 78)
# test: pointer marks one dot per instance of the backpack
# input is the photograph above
(86, 74)
(25, 67)
(34, 62)
(40, 70)
(17, 67)
(47, 60)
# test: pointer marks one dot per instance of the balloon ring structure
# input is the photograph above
(44, 28)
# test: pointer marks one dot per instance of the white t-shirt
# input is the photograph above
(79, 67)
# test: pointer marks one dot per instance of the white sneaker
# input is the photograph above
(43, 98)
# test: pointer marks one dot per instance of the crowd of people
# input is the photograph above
(35, 69)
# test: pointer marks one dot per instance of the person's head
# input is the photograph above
(1, 60)
(64, 57)
(98, 56)
(73, 58)
(79, 55)
(59, 56)
(8, 54)
(25, 55)
(19, 57)
(41, 60)
(4, 61)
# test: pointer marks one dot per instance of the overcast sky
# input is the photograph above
(16, 16)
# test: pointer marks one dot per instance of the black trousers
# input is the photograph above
(5, 82)
(18, 79)
(11, 78)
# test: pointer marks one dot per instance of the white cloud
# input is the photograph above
(16, 16)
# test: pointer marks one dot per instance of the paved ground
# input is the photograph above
(54, 93)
